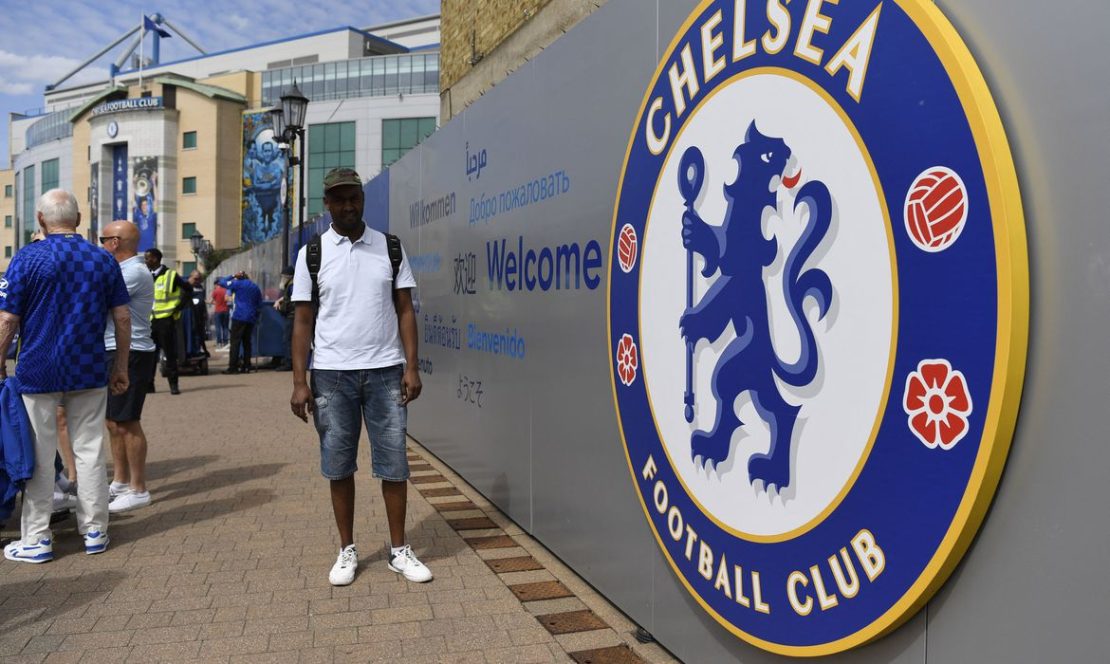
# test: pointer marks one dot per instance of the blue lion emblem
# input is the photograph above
(738, 251)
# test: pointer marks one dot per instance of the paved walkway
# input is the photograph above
(230, 562)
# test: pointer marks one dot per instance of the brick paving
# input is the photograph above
(230, 562)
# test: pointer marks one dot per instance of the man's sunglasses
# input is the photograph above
(104, 239)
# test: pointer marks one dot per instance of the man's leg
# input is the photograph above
(120, 471)
(171, 350)
(248, 343)
(396, 504)
(38, 493)
(135, 444)
(85, 416)
(338, 422)
(233, 356)
(343, 505)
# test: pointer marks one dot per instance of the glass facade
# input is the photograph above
(49, 175)
(408, 73)
(401, 135)
(51, 128)
(27, 219)
(330, 145)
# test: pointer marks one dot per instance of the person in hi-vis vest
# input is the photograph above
(170, 297)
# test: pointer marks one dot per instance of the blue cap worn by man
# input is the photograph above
(58, 294)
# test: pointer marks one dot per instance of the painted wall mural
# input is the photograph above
(267, 181)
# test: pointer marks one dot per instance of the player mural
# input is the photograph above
(144, 208)
(267, 180)
(94, 199)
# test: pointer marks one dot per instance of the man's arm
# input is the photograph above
(118, 381)
(406, 321)
(304, 326)
(9, 326)
(185, 294)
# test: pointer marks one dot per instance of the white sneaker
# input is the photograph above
(125, 502)
(116, 488)
(343, 571)
(39, 552)
(405, 562)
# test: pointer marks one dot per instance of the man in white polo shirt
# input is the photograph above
(362, 320)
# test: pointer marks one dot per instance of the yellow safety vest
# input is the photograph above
(166, 296)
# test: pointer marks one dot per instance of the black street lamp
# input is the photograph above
(289, 126)
(201, 248)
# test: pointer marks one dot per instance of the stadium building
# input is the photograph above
(186, 147)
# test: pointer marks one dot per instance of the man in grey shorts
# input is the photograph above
(359, 371)
(128, 488)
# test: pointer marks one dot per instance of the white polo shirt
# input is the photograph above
(356, 327)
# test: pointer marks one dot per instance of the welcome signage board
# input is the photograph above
(818, 312)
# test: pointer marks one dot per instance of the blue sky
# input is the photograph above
(64, 33)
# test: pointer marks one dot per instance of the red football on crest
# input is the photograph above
(627, 246)
(936, 209)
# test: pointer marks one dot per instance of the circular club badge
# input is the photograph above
(818, 313)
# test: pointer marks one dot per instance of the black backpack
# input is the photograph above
(313, 259)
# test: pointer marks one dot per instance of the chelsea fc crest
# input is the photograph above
(818, 312)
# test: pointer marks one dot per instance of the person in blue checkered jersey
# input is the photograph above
(58, 295)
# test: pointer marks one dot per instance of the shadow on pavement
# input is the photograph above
(46, 599)
(132, 527)
(217, 479)
(156, 470)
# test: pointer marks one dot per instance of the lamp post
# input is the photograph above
(201, 248)
(289, 125)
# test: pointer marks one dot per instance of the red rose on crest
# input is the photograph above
(628, 359)
(938, 404)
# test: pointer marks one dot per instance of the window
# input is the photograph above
(27, 219)
(187, 268)
(189, 140)
(8, 251)
(399, 136)
(7, 221)
(188, 230)
(49, 175)
(329, 146)
(7, 191)
(189, 185)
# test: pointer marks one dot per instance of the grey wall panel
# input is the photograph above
(544, 444)
(593, 495)
(1030, 589)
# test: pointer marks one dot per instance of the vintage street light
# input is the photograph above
(201, 248)
(289, 126)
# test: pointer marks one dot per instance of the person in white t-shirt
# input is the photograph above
(364, 367)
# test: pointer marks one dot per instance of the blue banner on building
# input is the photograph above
(144, 210)
(119, 181)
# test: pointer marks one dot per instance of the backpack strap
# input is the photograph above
(393, 244)
(312, 258)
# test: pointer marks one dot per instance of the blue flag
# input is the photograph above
(151, 26)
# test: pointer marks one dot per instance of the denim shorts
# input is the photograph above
(344, 399)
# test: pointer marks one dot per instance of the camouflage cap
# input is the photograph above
(339, 177)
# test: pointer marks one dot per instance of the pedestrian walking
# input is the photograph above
(57, 294)
(356, 302)
(248, 302)
(128, 488)
(170, 298)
